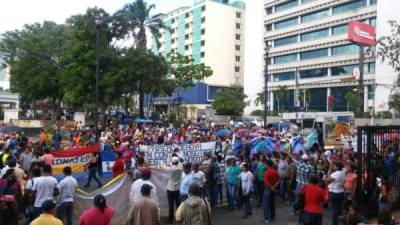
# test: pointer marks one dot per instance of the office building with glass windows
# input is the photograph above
(210, 32)
(311, 54)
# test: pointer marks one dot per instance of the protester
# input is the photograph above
(291, 179)
(246, 180)
(350, 185)
(213, 173)
(10, 196)
(65, 202)
(137, 185)
(186, 181)
(29, 198)
(194, 210)
(19, 173)
(385, 204)
(198, 176)
(282, 171)
(173, 187)
(100, 214)
(271, 183)
(261, 167)
(47, 217)
(232, 174)
(92, 166)
(48, 157)
(46, 188)
(313, 199)
(144, 211)
(336, 181)
(118, 167)
(221, 178)
(25, 159)
(303, 174)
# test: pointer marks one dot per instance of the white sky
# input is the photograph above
(15, 13)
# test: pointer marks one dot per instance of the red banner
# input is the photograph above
(361, 33)
(76, 152)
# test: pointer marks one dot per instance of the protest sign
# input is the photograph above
(189, 152)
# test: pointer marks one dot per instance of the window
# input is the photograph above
(349, 6)
(203, 8)
(237, 69)
(173, 31)
(306, 1)
(203, 31)
(371, 92)
(285, 58)
(285, 41)
(345, 49)
(286, 5)
(237, 36)
(315, 16)
(340, 29)
(373, 2)
(202, 43)
(187, 15)
(343, 70)
(284, 76)
(268, 10)
(237, 47)
(238, 15)
(268, 27)
(313, 73)
(371, 67)
(314, 35)
(237, 25)
(202, 55)
(187, 26)
(372, 21)
(173, 20)
(172, 41)
(187, 37)
(237, 58)
(286, 23)
(314, 54)
(186, 47)
(203, 20)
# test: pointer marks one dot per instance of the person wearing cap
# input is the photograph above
(100, 214)
(137, 185)
(186, 181)
(144, 211)
(194, 210)
(173, 186)
(47, 217)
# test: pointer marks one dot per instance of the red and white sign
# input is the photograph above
(361, 33)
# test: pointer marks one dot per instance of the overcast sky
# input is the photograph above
(15, 13)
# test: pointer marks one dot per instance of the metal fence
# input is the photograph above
(374, 145)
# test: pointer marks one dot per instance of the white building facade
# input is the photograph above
(210, 32)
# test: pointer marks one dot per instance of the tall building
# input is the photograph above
(210, 32)
(310, 51)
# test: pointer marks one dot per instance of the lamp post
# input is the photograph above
(268, 45)
(98, 23)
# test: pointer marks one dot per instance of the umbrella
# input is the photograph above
(11, 129)
(242, 132)
(223, 132)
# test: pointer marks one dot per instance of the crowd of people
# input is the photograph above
(248, 169)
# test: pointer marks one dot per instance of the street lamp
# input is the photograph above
(98, 23)
(268, 45)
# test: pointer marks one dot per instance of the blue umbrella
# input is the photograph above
(223, 132)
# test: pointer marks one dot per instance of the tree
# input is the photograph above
(353, 99)
(192, 110)
(304, 98)
(35, 56)
(259, 99)
(132, 21)
(389, 50)
(230, 101)
(281, 94)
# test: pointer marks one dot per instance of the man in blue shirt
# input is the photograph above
(187, 179)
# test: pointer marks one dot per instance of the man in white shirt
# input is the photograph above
(67, 188)
(198, 176)
(137, 185)
(173, 186)
(246, 178)
(336, 181)
(46, 188)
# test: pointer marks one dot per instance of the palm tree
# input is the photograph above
(132, 21)
(259, 99)
(192, 110)
(281, 94)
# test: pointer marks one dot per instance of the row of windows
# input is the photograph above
(313, 35)
(321, 72)
(187, 47)
(338, 9)
(315, 15)
(187, 15)
(318, 53)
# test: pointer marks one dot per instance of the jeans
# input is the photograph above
(36, 212)
(260, 184)
(246, 204)
(65, 210)
(184, 197)
(282, 186)
(231, 195)
(213, 191)
(220, 188)
(93, 174)
(173, 197)
(269, 204)
(335, 200)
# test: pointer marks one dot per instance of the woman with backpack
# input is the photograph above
(10, 195)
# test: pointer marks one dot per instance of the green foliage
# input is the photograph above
(230, 101)
(353, 99)
(307, 97)
(257, 112)
(259, 99)
(394, 102)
